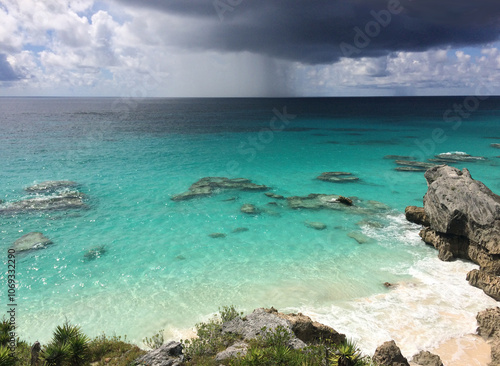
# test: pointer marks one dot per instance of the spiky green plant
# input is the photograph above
(56, 354)
(5, 329)
(6, 358)
(347, 354)
(69, 346)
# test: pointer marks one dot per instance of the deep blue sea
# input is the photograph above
(162, 270)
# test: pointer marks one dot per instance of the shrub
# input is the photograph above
(155, 341)
(69, 346)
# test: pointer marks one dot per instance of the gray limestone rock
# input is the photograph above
(459, 205)
(169, 354)
(31, 241)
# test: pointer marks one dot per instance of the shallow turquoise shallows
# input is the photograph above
(161, 269)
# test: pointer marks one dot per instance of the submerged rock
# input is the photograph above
(209, 185)
(315, 225)
(95, 252)
(275, 196)
(249, 209)
(50, 186)
(359, 237)
(399, 157)
(239, 230)
(31, 241)
(217, 235)
(313, 201)
(337, 177)
(389, 354)
(410, 169)
(63, 201)
(415, 164)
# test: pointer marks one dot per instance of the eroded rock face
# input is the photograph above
(209, 185)
(462, 219)
(459, 205)
(488, 322)
(31, 241)
(425, 358)
(449, 246)
(489, 283)
(310, 331)
(389, 354)
(416, 215)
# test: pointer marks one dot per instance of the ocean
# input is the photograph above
(157, 266)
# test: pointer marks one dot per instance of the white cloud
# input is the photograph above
(58, 46)
(429, 72)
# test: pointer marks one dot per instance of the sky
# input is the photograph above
(249, 48)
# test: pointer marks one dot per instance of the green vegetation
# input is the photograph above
(211, 340)
(70, 347)
(155, 341)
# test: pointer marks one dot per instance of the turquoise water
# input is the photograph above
(162, 270)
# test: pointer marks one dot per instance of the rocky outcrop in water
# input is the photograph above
(463, 221)
(31, 241)
(337, 177)
(210, 185)
(50, 186)
(457, 156)
(389, 354)
(60, 201)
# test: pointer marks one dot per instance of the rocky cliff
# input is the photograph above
(461, 219)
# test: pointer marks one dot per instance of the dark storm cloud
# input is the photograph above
(321, 31)
(6, 71)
